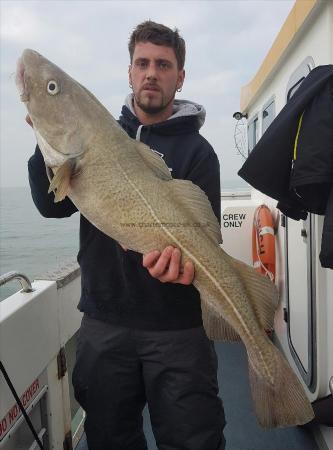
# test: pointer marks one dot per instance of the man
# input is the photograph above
(141, 338)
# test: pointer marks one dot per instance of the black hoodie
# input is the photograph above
(116, 288)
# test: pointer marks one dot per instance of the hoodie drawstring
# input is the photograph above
(138, 133)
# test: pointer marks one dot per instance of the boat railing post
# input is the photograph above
(13, 275)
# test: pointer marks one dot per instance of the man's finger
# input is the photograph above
(150, 258)
(188, 274)
(162, 263)
(172, 272)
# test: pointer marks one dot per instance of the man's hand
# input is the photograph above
(166, 266)
(28, 120)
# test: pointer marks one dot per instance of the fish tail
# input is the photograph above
(280, 399)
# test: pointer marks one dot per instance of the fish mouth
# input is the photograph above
(20, 81)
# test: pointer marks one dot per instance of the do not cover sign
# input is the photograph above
(7, 422)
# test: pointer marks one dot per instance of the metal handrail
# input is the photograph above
(235, 194)
(23, 279)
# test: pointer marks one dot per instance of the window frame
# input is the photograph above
(265, 106)
(256, 133)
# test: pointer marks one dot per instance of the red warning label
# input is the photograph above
(14, 413)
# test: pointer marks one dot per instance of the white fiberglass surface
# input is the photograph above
(298, 290)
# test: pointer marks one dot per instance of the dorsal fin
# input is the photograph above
(197, 202)
(153, 161)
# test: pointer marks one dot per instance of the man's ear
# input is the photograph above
(181, 78)
(129, 74)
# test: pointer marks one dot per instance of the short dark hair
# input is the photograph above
(158, 34)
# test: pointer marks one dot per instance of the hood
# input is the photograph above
(187, 117)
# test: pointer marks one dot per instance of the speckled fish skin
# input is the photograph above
(126, 191)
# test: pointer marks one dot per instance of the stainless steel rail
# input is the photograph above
(23, 279)
(236, 194)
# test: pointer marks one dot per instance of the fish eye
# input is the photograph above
(52, 87)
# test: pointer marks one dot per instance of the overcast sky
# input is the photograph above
(226, 41)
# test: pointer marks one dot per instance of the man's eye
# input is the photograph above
(141, 64)
(163, 65)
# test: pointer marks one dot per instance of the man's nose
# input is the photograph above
(151, 72)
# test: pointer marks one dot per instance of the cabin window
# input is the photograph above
(298, 76)
(253, 133)
(268, 115)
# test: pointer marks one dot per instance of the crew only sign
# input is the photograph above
(233, 220)
(236, 227)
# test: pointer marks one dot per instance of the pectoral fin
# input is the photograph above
(60, 183)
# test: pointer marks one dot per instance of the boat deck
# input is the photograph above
(242, 431)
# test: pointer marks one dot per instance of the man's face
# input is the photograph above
(154, 76)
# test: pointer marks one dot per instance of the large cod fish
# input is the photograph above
(126, 190)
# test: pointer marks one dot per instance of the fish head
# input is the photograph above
(59, 107)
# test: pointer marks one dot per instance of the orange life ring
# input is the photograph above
(263, 242)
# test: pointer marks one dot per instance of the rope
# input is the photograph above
(18, 401)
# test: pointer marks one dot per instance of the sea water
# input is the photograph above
(30, 243)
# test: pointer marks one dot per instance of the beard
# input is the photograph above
(149, 107)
